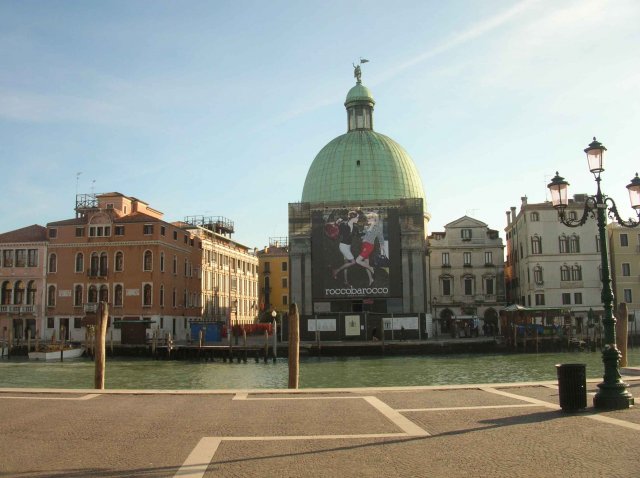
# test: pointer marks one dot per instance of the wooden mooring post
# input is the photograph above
(100, 345)
(294, 346)
(62, 344)
(28, 341)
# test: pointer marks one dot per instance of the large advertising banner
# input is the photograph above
(355, 253)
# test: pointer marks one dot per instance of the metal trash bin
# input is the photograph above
(572, 386)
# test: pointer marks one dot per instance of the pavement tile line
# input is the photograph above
(196, 464)
(478, 407)
(592, 416)
(84, 397)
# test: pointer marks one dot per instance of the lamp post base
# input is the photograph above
(614, 397)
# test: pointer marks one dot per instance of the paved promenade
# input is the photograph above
(497, 430)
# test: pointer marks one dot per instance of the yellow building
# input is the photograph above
(624, 247)
(273, 276)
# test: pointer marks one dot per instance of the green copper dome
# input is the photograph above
(362, 165)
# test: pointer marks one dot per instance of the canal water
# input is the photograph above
(314, 372)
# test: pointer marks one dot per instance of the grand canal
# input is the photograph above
(314, 372)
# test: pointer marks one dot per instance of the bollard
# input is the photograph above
(294, 346)
(100, 352)
(266, 345)
(62, 344)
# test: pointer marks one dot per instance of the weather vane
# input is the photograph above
(357, 73)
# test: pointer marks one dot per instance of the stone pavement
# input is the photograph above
(494, 430)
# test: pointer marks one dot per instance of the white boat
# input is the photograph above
(55, 354)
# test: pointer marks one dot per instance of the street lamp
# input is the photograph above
(612, 393)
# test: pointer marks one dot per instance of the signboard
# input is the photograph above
(322, 307)
(321, 325)
(356, 253)
(352, 325)
(399, 323)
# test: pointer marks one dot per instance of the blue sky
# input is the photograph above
(219, 107)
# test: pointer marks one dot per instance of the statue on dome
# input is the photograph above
(357, 72)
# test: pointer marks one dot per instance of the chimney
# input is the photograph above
(508, 213)
(513, 214)
(524, 200)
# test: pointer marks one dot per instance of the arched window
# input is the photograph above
(53, 263)
(537, 275)
(162, 262)
(535, 217)
(147, 264)
(576, 272)
(18, 293)
(161, 295)
(79, 262)
(95, 264)
(564, 273)
(31, 292)
(117, 296)
(104, 293)
(51, 296)
(574, 243)
(92, 298)
(119, 262)
(146, 296)
(77, 295)
(536, 245)
(563, 244)
(104, 260)
(6, 293)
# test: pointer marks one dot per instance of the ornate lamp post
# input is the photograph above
(612, 393)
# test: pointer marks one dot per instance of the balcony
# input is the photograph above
(91, 308)
(17, 309)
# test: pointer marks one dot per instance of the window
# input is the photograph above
(163, 230)
(51, 296)
(489, 288)
(7, 258)
(51, 323)
(563, 243)
(445, 259)
(627, 296)
(624, 240)
(119, 230)
(626, 269)
(573, 215)
(577, 298)
(564, 273)
(574, 244)
(146, 295)
(537, 275)
(175, 264)
(174, 297)
(104, 293)
(465, 234)
(92, 297)
(175, 235)
(466, 258)
(446, 286)
(77, 322)
(267, 266)
(53, 263)
(186, 239)
(161, 295)
(21, 257)
(488, 257)
(285, 300)
(566, 298)
(79, 231)
(576, 273)
(285, 283)
(284, 266)
(119, 262)
(117, 295)
(147, 263)
(539, 298)
(536, 245)
(31, 293)
(534, 216)
(468, 286)
(53, 233)
(79, 262)
(32, 258)
(99, 231)
(147, 229)
(162, 262)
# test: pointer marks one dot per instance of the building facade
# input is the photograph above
(624, 249)
(552, 265)
(229, 286)
(273, 277)
(466, 274)
(120, 250)
(23, 255)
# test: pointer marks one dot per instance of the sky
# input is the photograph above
(218, 108)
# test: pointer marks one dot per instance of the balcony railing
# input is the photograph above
(17, 309)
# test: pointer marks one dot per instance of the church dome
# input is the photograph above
(362, 165)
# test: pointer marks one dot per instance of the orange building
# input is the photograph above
(274, 276)
(22, 281)
(120, 250)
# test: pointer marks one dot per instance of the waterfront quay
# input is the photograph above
(487, 430)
